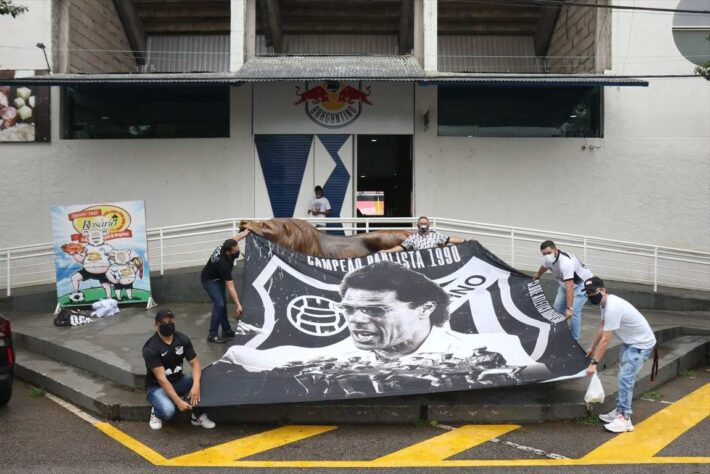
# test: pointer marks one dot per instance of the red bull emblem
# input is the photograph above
(333, 104)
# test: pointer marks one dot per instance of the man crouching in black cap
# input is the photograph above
(165, 384)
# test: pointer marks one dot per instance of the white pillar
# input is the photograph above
(242, 37)
(60, 46)
(250, 30)
(425, 33)
(236, 34)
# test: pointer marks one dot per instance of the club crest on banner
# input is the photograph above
(315, 315)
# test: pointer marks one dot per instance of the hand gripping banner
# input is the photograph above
(444, 319)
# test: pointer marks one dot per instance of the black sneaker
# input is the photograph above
(216, 339)
(228, 334)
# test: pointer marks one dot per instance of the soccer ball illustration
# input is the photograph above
(76, 297)
(316, 316)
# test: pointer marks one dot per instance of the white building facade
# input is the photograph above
(640, 172)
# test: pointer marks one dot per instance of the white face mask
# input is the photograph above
(549, 258)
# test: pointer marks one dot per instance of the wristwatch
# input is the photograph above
(594, 362)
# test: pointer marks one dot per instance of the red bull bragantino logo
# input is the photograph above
(333, 104)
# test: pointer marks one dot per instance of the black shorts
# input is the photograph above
(93, 276)
(119, 286)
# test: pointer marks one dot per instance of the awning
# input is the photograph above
(327, 68)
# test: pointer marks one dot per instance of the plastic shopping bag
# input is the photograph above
(595, 392)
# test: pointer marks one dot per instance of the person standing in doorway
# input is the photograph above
(320, 206)
(217, 281)
(570, 273)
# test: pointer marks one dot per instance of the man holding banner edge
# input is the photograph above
(216, 278)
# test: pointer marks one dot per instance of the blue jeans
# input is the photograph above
(163, 405)
(560, 305)
(218, 294)
(631, 360)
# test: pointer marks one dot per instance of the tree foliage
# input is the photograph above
(7, 7)
(704, 70)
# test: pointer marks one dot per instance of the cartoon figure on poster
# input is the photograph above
(89, 268)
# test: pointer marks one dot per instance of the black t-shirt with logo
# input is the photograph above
(219, 266)
(158, 354)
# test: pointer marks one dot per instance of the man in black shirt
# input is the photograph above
(165, 384)
(217, 280)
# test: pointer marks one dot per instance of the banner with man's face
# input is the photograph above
(443, 319)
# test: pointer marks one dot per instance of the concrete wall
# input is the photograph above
(95, 25)
(649, 181)
(18, 37)
(572, 47)
(181, 180)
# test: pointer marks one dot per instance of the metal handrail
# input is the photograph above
(651, 264)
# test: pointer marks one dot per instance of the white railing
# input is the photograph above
(188, 245)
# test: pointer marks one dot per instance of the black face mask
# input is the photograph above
(595, 299)
(423, 229)
(167, 330)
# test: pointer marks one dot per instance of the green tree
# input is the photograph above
(8, 8)
(704, 70)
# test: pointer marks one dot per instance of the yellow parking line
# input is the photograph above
(658, 431)
(447, 444)
(637, 447)
(132, 444)
(249, 445)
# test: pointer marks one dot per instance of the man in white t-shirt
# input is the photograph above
(571, 273)
(320, 206)
(621, 318)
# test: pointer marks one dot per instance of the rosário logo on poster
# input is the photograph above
(113, 220)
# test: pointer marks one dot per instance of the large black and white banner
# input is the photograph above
(452, 318)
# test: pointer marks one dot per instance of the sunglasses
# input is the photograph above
(374, 311)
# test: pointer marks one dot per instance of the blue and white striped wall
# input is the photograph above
(288, 167)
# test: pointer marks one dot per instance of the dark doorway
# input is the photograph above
(384, 176)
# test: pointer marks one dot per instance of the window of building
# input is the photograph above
(96, 112)
(691, 32)
(520, 111)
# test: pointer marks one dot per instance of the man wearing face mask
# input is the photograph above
(216, 278)
(425, 238)
(621, 318)
(570, 273)
(165, 384)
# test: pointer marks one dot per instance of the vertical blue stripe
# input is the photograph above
(337, 184)
(283, 161)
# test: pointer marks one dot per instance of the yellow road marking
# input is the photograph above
(637, 447)
(659, 430)
(132, 443)
(248, 446)
(448, 444)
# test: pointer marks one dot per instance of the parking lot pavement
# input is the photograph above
(38, 435)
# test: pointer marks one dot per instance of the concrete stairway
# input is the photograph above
(111, 387)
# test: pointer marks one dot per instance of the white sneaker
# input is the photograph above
(619, 425)
(202, 421)
(609, 417)
(155, 422)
